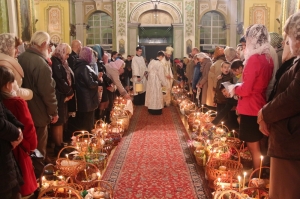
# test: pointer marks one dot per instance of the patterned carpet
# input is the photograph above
(153, 160)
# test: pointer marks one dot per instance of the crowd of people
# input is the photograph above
(67, 87)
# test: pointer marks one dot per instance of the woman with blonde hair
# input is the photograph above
(7, 59)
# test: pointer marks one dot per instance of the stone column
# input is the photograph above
(178, 40)
(233, 23)
(132, 37)
(12, 17)
(79, 21)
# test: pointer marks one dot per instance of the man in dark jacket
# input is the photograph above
(76, 47)
(38, 78)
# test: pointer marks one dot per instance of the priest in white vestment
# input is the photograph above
(168, 74)
(139, 76)
(156, 79)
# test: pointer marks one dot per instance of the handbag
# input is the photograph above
(37, 160)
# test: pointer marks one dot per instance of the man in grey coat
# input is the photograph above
(38, 78)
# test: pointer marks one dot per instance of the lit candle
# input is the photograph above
(43, 180)
(68, 159)
(222, 124)
(202, 108)
(99, 177)
(261, 159)
(70, 192)
(244, 179)
(239, 178)
(219, 180)
(85, 175)
(223, 187)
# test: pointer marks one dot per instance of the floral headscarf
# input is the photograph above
(7, 44)
(257, 41)
(59, 52)
(86, 54)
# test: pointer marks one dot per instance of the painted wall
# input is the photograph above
(3, 17)
(54, 17)
(263, 12)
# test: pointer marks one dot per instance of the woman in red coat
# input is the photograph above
(257, 74)
(19, 108)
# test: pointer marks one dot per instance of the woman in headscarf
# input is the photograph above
(64, 78)
(114, 70)
(205, 63)
(252, 91)
(279, 119)
(214, 72)
(7, 59)
(86, 90)
(106, 80)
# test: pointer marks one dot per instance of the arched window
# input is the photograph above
(212, 31)
(100, 30)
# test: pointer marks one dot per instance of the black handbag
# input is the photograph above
(37, 161)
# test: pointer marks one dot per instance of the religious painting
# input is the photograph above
(121, 46)
(25, 24)
(188, 46)
(260, 14)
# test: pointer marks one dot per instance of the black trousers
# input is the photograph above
(139, 100)
(85, 121)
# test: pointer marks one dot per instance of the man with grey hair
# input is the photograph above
(38, 78)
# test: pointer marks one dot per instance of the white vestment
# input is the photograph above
(156, 78)
(138, 69)
(167, 72)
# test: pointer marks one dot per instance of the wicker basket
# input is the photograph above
(90, 172)
(98, 159)
(72, 167)
(233, 141)
(255, 192)
(233, 168)
(253, 182)
(230, 194)
(228, 183)
(105, 187)
(246, 157)
(59, 192)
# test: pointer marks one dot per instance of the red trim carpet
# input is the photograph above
(153, 160)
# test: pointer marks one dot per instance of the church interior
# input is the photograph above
(131, 153)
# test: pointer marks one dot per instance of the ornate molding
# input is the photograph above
(132, 5)
(203, 7)
(108, 7)
(178, 4)
(189, 17)
(121, 18)
(89, 8)
(260, 14)
(147, 6)
(213, 4)
(223, 8)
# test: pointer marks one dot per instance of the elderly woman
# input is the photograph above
(64, 78)
(86, 90)
(206, 63)
(7, 55)
(113, 71)
(230, 54)
(279, 119)
(214, 72)
(252, 91)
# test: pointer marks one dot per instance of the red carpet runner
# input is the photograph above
(153, 160)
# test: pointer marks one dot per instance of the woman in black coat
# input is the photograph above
(86, 90)
(64, 79)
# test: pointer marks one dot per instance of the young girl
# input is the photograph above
(19, 108)
(10, 137)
